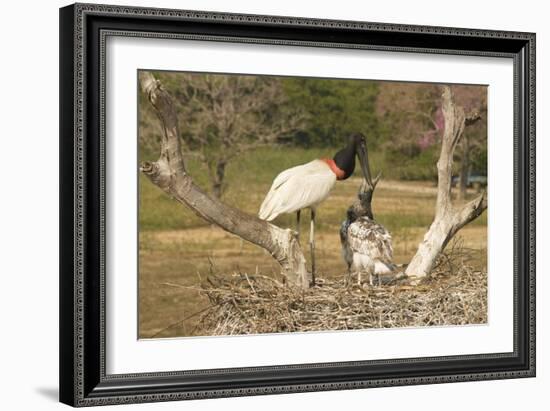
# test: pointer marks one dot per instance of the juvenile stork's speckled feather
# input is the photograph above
(366, 247)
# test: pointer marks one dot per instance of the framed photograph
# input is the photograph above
(261, 204)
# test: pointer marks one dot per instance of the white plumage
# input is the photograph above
(366, 247)
(303, 186)
(308, 185)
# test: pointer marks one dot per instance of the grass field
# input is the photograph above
(178, 249)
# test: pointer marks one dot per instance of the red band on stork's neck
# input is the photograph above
(335, 169)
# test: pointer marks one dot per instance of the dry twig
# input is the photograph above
(455, 294)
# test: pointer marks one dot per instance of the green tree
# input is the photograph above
(335, 108)
(225, 116)
(411, 114)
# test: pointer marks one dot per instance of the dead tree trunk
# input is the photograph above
(464, 169)
(169, 174)
(219, 177)
(448, 219)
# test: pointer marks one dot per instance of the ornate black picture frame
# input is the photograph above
(83, 30)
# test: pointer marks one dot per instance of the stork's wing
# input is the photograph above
(296, 188)
(367, 237)
(347, 253)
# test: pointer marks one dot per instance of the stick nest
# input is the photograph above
(455, 294)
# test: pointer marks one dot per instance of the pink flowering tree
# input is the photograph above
(416, 122)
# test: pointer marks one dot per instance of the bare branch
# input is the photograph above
(170, 155)
(469, 212)
(448, 220)
(229, 115)
(473, 117)
(168, 173)
(425, 116)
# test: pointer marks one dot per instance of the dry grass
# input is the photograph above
(456, 294)
(182, 256)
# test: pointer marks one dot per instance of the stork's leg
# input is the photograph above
(312, 245)
(371, 273)
(298, 223)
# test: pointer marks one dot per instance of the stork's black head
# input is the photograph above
(345, 158)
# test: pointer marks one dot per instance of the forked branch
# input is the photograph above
(169, 174)
(448, 218)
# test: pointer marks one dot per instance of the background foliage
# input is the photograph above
(402, 123)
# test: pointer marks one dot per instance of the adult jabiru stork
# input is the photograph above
(308, 185)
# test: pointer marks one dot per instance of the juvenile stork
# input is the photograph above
(308, 185)
(366, 244)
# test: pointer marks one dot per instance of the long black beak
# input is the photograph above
(364, 161)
